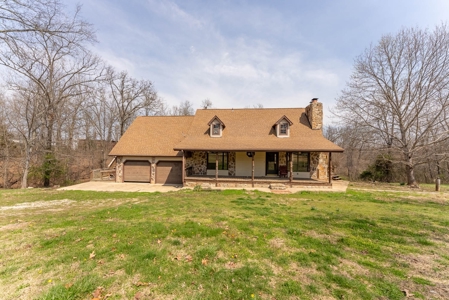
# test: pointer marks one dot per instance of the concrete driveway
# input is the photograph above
(107, 186)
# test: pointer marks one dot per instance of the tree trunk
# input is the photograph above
(411, 181)
(26, 168)
(48, 154)
(5, 168)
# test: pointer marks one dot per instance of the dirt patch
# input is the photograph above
(14, 226)
(37, 204)
(276, 243)
(331, 238)
(421, 266)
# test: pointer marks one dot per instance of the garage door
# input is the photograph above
(169, 172)
(137, 171)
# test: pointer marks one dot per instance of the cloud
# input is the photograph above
(173, 12)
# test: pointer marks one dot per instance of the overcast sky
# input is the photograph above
(243, 53)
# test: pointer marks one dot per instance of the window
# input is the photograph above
(216, 129)
(301, 162)
(222, 161)
(283, 129)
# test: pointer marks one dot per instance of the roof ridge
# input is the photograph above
(264, 108)
(161, 116)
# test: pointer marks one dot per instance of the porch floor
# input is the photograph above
(257, 180)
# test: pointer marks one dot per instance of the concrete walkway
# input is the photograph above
(107, 186)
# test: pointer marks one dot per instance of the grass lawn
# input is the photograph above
(363, 244)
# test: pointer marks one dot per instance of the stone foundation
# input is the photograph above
(226, 184)
(279, 186)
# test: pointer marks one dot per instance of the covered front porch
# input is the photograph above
(242, 181)
(257, 168)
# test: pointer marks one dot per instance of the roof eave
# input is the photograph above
(260, 149)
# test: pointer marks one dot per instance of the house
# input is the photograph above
(228, 147)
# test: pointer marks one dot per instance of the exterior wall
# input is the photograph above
(198, 162)
(319, 162)
(243, 164)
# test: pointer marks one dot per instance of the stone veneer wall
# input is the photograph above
(319, 163)
(282, 158)
(198, 162)
(153, 171)
(119, 169)
(231, 164)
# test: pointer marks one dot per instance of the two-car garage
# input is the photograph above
(167, 172)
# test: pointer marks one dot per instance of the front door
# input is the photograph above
(272, 162)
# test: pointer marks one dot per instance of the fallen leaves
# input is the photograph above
(187, 258)
(99, 294)
(138, 296)
(68, 285)
(142, 283)
(92, 255)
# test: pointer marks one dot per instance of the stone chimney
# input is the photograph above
(314, 112)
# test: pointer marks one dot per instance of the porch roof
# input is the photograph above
(253, 130)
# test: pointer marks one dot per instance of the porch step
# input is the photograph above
(277, 186)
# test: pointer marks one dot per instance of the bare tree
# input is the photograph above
(20, 18)
(6, 142)
(184, 109)
(57, 65)
(26, 117)
(131, 97)
(206, 103)
(399, 91)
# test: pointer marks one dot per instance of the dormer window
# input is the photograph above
(216, 127)
(283, 127)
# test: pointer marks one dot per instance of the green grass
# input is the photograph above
(363, 244)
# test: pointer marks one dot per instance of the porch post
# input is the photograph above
(216, 168)
(183, 168)
(252, 171)
(329, 167)
(291, 168)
